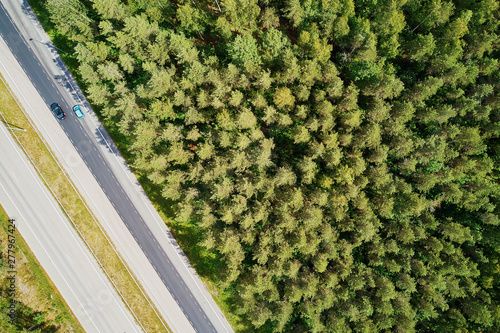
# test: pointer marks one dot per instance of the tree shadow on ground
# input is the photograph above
(189, 235)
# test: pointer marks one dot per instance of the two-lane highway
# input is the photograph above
(57, 246)
(92, 145)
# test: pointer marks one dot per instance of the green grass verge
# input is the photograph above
(39, 306)
(82, 218)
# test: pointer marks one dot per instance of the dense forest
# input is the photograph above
(342, 156)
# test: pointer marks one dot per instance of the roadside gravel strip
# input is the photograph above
(159, 253)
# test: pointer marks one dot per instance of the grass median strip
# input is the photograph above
(82, 218)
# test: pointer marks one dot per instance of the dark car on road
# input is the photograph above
(58, 111)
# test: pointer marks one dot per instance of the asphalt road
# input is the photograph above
(57, 246)
(196, 306)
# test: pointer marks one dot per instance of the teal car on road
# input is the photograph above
(78, 111)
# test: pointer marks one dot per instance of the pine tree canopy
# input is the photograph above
(340, 158)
